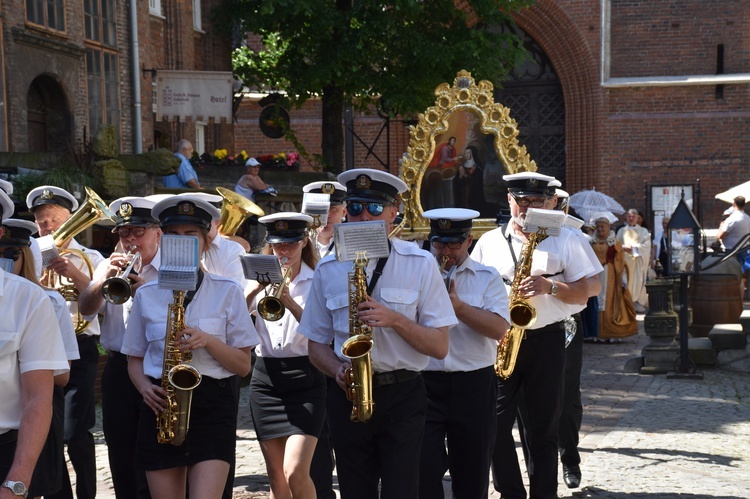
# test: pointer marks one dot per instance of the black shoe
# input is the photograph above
(572, 476)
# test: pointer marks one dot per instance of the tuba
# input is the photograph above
(270, 307)
(235, 210)
(90, 212)
(522, 312)
(357, 348)
(178, 379)
(117, 289)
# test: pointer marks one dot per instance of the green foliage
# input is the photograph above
(399, 50)
(105, 143)
(114, 177)
(62, 171)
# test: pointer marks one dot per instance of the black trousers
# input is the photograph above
(323, 461)
(8, 441)
(572, 408)
(80, 417)
(461, 409)
(533, 392)
(386, 448)
(121, 408)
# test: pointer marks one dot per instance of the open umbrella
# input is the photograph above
(595, 201)
(592, 215)
(738, 190)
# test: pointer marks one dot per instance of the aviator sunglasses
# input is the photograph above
(355, 208)
(533, 202)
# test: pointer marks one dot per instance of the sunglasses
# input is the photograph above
(453, 245)
(533, 202)
(10, 253)
(293, 243)
(355, 208)
(124, 232)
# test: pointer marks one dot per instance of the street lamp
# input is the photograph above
(683, 241)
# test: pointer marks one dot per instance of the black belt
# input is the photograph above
(117, 355)
(8, 437)
(393, 377)
(550, 328)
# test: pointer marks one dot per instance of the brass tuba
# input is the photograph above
(235, 210)
(178, 379)
(522, 313)
(357, 348)
(270, 307)
(117, 289)
(90, 212)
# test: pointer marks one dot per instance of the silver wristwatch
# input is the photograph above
(553, 291)
(18, 488)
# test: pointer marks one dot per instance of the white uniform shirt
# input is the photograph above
(280, 338)
(223, 258)
(115, 317)
(482, 287)
(96, 259)
(564, 257)
(410, 284)
(30, 340)
(326, 249)
(736, 225)
(218, 308)
(67, 333)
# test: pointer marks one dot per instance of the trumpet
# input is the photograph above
(270, 306)
(117, 290)
(448, 278)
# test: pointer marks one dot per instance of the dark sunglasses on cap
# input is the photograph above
(533, 202)
(10, 253)
(355, 208)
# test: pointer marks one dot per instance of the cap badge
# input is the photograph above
(327, 189)
(126, 209)
(47, 195)
(186, 208)
(363, 182)
(532, 182)
(444, 224)
(281, 225)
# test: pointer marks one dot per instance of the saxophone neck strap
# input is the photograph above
(377, 272)
(191, 294)
(513, 253)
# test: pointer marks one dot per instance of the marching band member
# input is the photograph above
(51, 207)
(461, 389)
(410, 313)
(336, 213)
(558, 284)
(220, 334)
(30, 356)
(138, 233)
(15, 244)
(287, 394)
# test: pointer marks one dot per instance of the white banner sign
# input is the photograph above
(198, 95)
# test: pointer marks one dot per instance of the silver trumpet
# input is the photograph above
(117, 289)
(270, 307)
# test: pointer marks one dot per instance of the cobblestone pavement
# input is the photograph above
(642, 436)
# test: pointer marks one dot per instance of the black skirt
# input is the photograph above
(47, 478)
(287, 397)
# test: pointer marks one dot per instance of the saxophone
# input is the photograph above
(357, 348)
(178, 379)
(522, 313)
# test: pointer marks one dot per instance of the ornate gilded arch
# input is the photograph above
(487, 117)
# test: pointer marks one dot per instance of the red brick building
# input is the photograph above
(621, 93)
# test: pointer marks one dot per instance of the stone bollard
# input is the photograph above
(661, 326)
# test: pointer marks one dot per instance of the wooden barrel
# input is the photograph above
(715, 299)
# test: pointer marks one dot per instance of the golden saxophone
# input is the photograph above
(522, 313)
(357, 348)
(178, 379)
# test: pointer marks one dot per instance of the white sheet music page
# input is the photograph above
(352, 237)
(179, 263)
(261, 268)
(573, 222)
(48, 249)
(316, 205)
(550, 220)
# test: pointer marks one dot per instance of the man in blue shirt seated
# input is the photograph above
(185, 176)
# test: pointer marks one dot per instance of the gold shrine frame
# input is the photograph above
(468, 113)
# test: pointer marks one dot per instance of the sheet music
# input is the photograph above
(573, 222)
(551, 220)
(179, 263)
(351, 237)
(316, 205)
(48, 249)
(261, 268)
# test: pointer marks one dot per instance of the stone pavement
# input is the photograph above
(642, 436)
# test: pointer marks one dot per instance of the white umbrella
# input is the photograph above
(596, 201)
(737, 190)
(592, 215)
